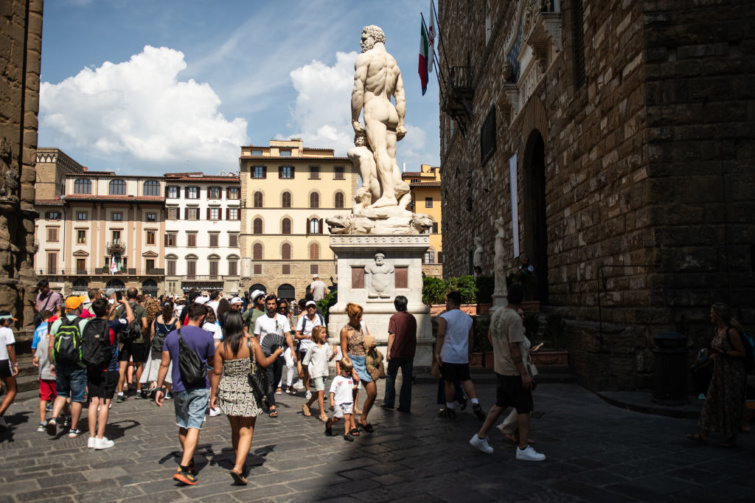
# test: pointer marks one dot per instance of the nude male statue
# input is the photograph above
(377, 79)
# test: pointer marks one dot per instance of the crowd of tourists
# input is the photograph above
(214, 355)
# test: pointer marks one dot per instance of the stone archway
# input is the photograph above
(535, 224)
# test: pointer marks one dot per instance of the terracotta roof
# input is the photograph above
(425, 184)
(49, 202)
(208, 178)
(412, 173)
(294, 159)
(128, 199)
(115, 175)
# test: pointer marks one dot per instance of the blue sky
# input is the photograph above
(153, 86)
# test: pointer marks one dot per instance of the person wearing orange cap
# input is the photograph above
(8, 365)
(70, 376)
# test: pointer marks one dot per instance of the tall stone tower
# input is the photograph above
(20, 51)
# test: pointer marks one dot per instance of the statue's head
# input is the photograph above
(360, 140)
(379, 258)
(371, 35)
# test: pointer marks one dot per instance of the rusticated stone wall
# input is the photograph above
(648, 168)
(20, 50)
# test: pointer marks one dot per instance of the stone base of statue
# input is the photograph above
(499, 301)
(372, 271)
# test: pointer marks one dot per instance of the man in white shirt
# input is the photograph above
(455, 335)
(304, 326)
(273, 331)
(318, 288)
(214, 301)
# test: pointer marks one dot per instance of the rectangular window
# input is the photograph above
(259, 172)
(214, 269)
(52, 263)
(440, 257)
(192, 192)
(116, 237)
(233, 268)
(82, 215)
(191, 240)
(172, 213)
(53, 215)
(150, 237)
(435, 227)
(170, 239)
(428, 202)
(339, 171)
(286, 172)
(213, 193)
(150, 265)
(151, 217)
(258, 269)
(234, 193)
(314, 172)
(214, 240)
(117, 216)
(487, 136)
(52, 235)
(172, 192)
(192, 213)
(191, 268)
(233, 213)
(255, 152)
(81, 237)
(171, 267)
(81, 266)
(286, 269)
(314, 269)
(214, 213)
(233, 240)
(284, 153)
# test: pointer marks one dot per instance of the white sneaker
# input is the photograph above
(481, 444)
(92, 443)
(103, 443)
(215, 412)
(529, 454)
(308, 395)
(299, 386)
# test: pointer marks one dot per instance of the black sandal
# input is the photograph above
(367, 427)
(355, 432)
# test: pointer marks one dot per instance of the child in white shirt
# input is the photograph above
(342, 398)
(316, 360)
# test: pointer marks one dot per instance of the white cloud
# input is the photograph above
(140, 109)
(322, 114)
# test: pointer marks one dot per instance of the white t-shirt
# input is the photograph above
(214, 328)
(342, 387)
(317, 358)
(214, 305)
(318, 290)
(6, 338)
(272, 329)
(305, 326)
(456, 344)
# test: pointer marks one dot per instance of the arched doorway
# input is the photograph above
(149, 287)
(535, 225)
(257, 286)
(286, 291)
(116, 284)
(80, 287)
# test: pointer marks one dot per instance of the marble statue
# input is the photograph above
(379, 278)
(477, 258)
(499, 264)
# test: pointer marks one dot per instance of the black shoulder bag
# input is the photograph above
(257, 377)
(193, 370)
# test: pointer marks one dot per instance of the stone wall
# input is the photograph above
(637, 159)
(20, 49)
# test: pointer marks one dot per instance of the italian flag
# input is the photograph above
(424, 50)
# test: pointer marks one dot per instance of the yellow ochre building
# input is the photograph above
(426, 199)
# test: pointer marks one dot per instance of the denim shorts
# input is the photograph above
(191, 407)
(71, 381)
(318, 383)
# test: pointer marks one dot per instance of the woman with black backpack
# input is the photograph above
(166, 322)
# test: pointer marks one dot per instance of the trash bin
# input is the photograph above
(670, 368)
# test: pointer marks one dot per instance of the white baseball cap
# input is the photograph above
(236, 300)
(310, 303)
(202, 300)
(316, 276)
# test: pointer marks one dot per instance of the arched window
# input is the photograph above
(314, 226)
(80, 286)
(314, 251)
(339, 199)
(286, 200)
(286, 251)
(150, 287)
(286, 226)
(257, 226)
(82, 186)
(258, 199)
(286, 291)
(257, 251)
(117, 188)
(314, 200)
(151, 188)
(116, 284)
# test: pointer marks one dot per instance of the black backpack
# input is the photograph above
(133, 331)
(96, 350)
(193, 369)
(67, 345)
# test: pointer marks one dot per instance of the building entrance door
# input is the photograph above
(535, 225)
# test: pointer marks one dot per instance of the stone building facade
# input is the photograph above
(616, 140)
(20, 51)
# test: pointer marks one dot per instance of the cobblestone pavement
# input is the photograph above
(596, 452)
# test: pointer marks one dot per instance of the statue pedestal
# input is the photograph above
(355, 258)
(499, 301)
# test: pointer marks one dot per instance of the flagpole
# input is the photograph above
(440, 34)
(432, 48)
